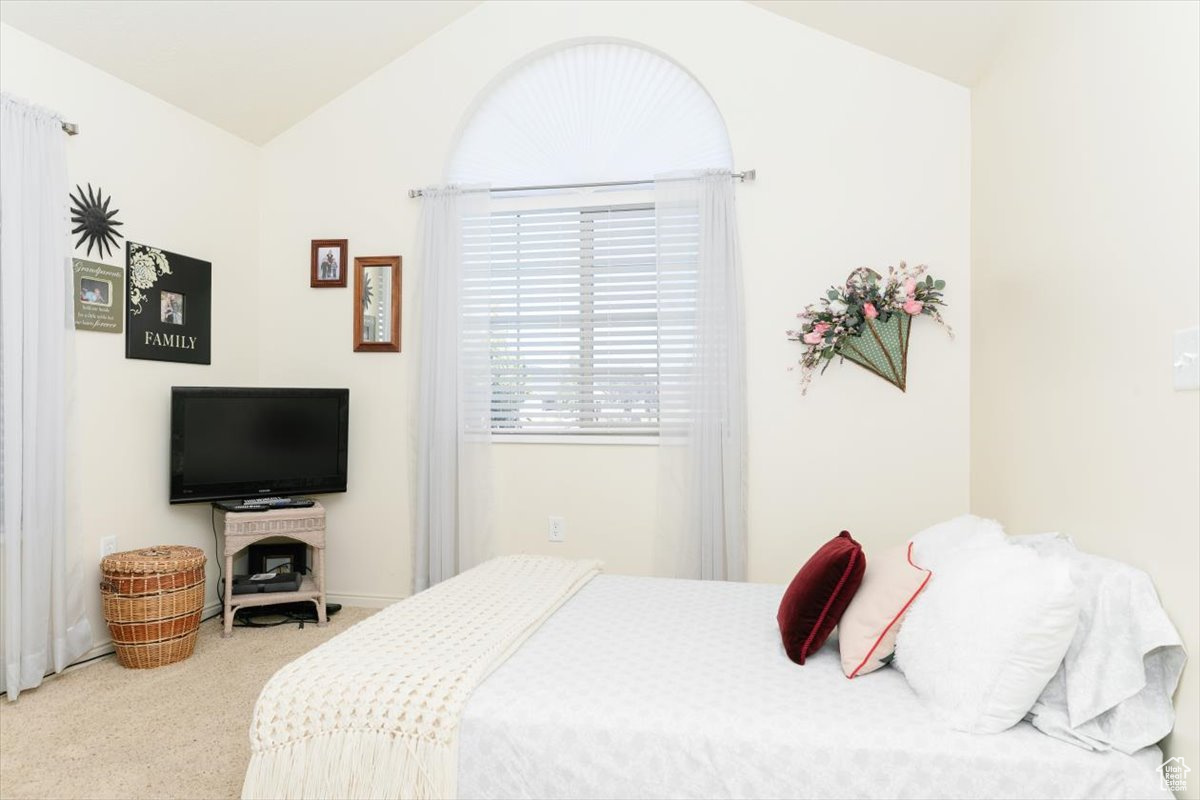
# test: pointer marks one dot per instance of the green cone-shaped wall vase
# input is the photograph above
(882, 348)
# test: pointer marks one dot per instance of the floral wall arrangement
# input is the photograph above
(867, 321)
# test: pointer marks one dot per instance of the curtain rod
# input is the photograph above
(70, 128)
(747, 175)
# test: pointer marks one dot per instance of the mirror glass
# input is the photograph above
(377, 304)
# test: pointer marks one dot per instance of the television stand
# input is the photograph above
(244, 528)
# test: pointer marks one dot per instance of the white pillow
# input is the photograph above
(937, 542)
(987, 634)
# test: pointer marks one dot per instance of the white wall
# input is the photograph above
(182, 185)
(861, 160)
(1086, 260)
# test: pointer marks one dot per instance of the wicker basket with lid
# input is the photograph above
(153, 599)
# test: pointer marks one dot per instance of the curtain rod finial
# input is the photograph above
(70, 128)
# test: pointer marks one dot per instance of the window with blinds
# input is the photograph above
(573, 321)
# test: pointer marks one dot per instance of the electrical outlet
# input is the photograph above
(558, 529)
(108, 546)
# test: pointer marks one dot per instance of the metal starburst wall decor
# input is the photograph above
(95, 222)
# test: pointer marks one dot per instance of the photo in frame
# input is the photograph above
(328, 267)
(168, 307)
(280, 557)
(99, 290)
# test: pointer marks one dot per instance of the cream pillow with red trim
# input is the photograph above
(867, 631)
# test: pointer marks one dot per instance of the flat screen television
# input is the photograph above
(230, 443)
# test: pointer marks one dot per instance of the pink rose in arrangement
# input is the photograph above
(869, 311)
(817, 334)
(910, 287)
(913, 306)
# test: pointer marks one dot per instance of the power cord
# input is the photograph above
(212, 517)
(246, 618)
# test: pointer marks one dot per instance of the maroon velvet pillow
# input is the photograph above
(819, 594)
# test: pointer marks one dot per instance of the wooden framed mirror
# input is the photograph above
(377, 304)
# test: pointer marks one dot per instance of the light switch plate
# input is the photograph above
(1186, 365)
(558, 529)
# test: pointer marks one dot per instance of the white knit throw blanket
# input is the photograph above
(374, 712)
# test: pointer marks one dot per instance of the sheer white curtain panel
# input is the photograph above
(43, 626)
(453, 474)
(702, 440)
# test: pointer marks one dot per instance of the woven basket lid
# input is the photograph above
(153, 560)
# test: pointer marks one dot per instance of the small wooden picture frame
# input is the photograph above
(328, 263)
(377, 291)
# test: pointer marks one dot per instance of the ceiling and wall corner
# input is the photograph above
(273, 70)
(955, 40)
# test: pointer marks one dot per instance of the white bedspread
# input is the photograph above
(645, 687)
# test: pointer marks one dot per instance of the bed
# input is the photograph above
(652, 687)
(649, 688)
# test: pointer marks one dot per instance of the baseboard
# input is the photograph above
(106, 647)
(363, 600)
(214, 609)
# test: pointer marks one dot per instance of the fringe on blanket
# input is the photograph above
(449, 637)
(354, 765)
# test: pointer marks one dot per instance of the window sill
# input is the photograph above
(568, 438)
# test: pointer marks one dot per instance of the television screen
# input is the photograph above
(229, 443)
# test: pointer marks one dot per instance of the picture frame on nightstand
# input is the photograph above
(281, 557)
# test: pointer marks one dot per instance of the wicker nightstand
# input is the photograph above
(244, 528)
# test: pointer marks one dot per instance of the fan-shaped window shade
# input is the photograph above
(587, 113)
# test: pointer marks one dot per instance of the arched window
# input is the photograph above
(572, 279)
(590, 112)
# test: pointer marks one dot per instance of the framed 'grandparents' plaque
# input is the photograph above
(99, 290)
(168, 310)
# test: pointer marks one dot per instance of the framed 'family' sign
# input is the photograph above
(168, 310)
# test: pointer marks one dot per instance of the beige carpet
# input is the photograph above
(181, 731)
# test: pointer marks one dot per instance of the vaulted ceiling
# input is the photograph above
(251, 67)
(955, 39)
(256, 67)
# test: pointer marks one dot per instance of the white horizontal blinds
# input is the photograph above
(573, 304)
